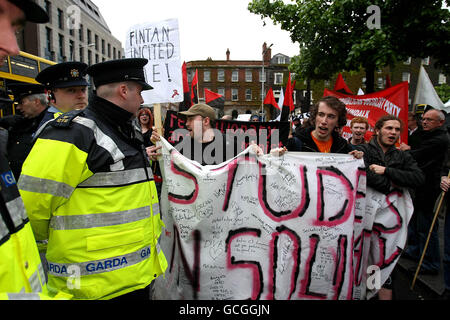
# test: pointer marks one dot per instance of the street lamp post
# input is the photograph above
(263, 80)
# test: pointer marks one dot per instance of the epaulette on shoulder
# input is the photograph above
(64, 120)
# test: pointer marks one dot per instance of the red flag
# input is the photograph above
(270, 99)
(341, 86)
(293, 86)
(214, 100)
(388, 82)
(186, 104)
(288, 103)
(272, 104)
(194, 88)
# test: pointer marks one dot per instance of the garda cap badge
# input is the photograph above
(74, 73)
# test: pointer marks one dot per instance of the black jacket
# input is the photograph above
(401, 168)
(430, 156)
(20, 139)
(340, 145)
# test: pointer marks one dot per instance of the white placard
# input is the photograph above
(159, 42)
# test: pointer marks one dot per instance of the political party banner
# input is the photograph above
(267, 135)
(298, 226)
(373, 106)
(159, 42)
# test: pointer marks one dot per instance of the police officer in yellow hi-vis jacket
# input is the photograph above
(21, 272)
(67, 88)
(95, 200)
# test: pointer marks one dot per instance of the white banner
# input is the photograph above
(300, 226)
(159, 42)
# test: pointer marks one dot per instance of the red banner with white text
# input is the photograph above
(373, 106)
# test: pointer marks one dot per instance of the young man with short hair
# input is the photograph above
(388, 168)
(359, 127)
(326, 115)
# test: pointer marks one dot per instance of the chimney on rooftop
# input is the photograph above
(228, 54)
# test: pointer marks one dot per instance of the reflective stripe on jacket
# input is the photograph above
(21, 270)
(90, 192)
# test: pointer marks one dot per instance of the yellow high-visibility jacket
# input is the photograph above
(88, 189)
(21, 270)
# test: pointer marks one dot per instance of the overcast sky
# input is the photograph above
(207, 27)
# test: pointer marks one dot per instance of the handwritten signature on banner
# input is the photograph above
(300, 226)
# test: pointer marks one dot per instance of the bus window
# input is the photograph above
(23, 66)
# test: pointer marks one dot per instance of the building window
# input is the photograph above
(248, 75)
(103, 46)
(89, 36)
(248, 94)
(234, 94)
(442, 78)
(61, 56)
(119, 54)
(109, 50)
(281, 60)
(278, 78)
(96, 58)
(89, 57)
(235, 76)
(406, 76)
(96, 42)
(380, 82)
(426, 61)
(221, 91)
(407, 61)
(60, 19)
(81, 55)
(207, 76)
(48, 9)
(114, 53)
(81, 33)
(48, 44)
(72, 50)
(262, 77)
(263, 94)
(221, 75)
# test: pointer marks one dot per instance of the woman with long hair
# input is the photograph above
(145, 119)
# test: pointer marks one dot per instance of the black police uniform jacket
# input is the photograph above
(20, 138)
(401, 168)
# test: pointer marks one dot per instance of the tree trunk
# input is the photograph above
(370, 78)
(307, 102)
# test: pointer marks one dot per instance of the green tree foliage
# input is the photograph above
(443, 92)
(335, 36)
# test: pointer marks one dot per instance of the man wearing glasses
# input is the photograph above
(430, 156)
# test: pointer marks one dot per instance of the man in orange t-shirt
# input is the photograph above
(326, 115)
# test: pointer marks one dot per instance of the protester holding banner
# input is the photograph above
(358, 127)
(388, 168)
(327, 114)
(430, 156)
(205, 144)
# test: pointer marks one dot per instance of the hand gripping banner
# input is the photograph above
(299, 226)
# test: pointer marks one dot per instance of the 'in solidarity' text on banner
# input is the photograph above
(299, 226)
